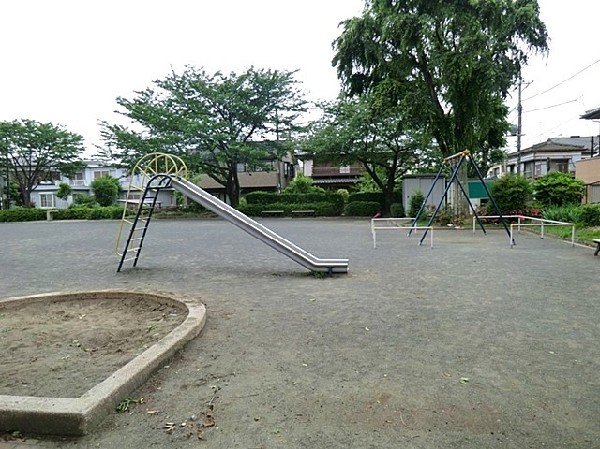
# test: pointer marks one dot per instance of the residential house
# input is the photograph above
(328, 175)
(554, 154)
(44, 195)
(271, 175)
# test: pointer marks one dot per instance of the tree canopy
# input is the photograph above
(106, 190)
(34, 151)
(453, 62)
(373, 132)
(214, 122)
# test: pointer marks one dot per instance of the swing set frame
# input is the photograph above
(461, 157)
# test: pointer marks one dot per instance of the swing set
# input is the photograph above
(456, 161)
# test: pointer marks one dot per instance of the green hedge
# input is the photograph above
(362, 208)
(397, 210)
(374, 196)
(589, 215)
(73, 213)
(269, 198)
(22, 214)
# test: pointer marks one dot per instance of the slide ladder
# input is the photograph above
(139, 224)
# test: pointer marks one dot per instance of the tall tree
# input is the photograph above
(215, 122)
(461, 57)
(373, 131)
(34, 151)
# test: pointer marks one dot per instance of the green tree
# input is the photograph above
(453, 62)
(64, 190)
(373, 132)
(558, 189)
(214, 122)
(302, 184)
(36, 152)
(511, 193)
(106, 190)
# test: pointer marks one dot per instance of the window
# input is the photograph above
(77, 179)
(47, 200)
(101, 173)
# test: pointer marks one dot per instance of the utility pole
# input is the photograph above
(519, 112)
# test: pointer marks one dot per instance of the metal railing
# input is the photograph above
(522, 221)
(389, 224)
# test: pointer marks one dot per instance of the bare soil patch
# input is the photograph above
(59, 348)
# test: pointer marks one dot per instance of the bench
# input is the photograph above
(303, 212)
(272, 212)
(597, 242)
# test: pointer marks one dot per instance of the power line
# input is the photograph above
(553, 106)
(564, 81)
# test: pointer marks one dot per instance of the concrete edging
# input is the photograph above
(77, 416)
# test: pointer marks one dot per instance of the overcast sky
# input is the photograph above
(65, 61)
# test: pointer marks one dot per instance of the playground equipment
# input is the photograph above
(158, 171)
(456, 161)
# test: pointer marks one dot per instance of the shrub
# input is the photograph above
(416, 201)
(511, 193)
(362, 208)
(367, 196)
(589, 215)
(64, 190)
(343, 193)
(569, 213)
(73, 213)
(80, 199)
(397, 210)
(291, 201)
(558, 189)
(22, 214)
(302, 184)
(106, 190)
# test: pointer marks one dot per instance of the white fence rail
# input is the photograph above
(524, 221)
(396, 224)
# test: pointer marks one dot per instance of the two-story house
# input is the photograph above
(44, 195)
(555, 154)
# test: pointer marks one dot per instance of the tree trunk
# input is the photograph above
(233, 187)
(460, 206)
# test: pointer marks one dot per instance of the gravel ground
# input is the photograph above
(470, 344)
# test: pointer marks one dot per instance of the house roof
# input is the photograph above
(592, 114)
(562, 144)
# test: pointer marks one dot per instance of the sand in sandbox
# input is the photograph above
(63, 348)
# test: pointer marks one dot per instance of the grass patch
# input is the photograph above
(583, 235)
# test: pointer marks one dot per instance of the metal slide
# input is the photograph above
(257, 230)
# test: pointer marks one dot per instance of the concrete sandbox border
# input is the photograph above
(77, 416)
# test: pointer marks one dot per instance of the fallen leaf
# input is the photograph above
(209, 422)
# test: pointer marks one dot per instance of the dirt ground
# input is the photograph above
(469, 345)
(63, 348)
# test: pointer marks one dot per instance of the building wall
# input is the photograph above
(412, 184)
(588, 170)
